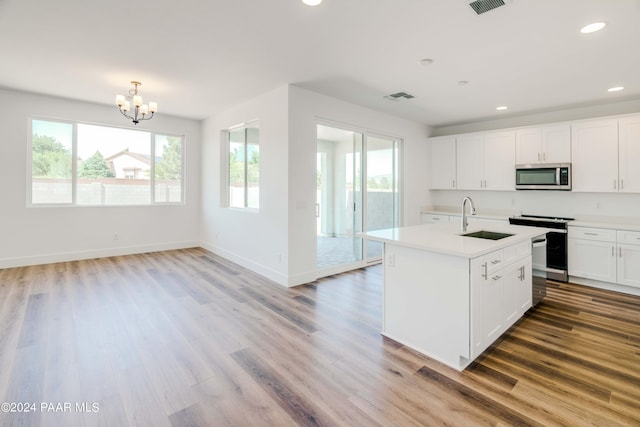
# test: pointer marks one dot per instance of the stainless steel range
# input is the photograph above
(549, 252)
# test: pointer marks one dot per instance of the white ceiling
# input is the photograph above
(198, 57)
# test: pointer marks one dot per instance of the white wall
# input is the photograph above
(46, 234)
(563, 115)
(279, 241)
(257, 240)
(559, 203)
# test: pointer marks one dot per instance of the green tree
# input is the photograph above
(50, 158)
(95, 167)
(236, 166)
(170, 166)
(385, 183)
(253, 165)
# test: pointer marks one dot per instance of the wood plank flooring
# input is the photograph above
(185, 338)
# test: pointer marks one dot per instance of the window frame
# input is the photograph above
(227, 167)
(74, 166)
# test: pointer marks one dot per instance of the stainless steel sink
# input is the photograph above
(490, 235)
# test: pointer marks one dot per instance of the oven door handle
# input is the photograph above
(539, 243)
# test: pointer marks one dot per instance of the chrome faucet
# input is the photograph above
(464, 216)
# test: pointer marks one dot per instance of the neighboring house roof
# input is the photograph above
(138, 156)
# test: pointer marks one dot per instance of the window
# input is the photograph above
(82, 164)
(244, 167)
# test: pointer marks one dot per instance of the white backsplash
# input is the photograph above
(623, 207)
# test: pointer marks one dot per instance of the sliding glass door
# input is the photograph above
(356, 190)
(381, 189)
(339, 197)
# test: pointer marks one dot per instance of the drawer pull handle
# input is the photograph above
(496, 261)
(485, 271)
(497, 277)
(591, 234)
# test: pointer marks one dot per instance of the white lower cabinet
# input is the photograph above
(433, 218)
(604, 254)
(592, 259)
(628, 258)
(501, 291)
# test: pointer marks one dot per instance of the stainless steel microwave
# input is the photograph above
(553, 176)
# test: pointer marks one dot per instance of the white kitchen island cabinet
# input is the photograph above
(449, 296)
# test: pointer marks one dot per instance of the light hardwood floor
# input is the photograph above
(185, 338)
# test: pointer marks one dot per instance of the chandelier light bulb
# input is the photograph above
(141, 111)
(312, 2)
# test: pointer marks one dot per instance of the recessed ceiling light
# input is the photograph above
(502, 107)
(615, 89)
(592, 28)
(312, 2)
(425, 62)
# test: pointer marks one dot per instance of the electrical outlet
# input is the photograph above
(391, 260)
(116, 236)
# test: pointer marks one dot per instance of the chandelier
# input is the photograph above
(141, 111)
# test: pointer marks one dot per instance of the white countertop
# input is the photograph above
(446, 238)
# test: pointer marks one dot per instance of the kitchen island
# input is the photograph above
(450, 296)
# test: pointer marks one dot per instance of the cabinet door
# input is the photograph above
(443, 163)
(556, 144)
(629, 265)
(525, 287)
(594, 154)
(486, 304)
(469, 149)
(500, 160)
(511, 294)
(516, 291)
(592, 259)
(629, 155)
(528, 146)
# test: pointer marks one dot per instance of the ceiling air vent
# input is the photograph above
(482, 6)
(397, 96)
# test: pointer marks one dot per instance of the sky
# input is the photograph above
(92, 138)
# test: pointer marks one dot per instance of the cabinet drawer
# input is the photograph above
(494, 261)
(585, 233)
(513, 252)
(433, 218)
(629, 237)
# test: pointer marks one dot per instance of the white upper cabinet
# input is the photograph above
(629, 155)
(606, 154)
(595, 156)
(469, 155)
(499, 160)
(486, 161)
(443, 163)
(545, 144)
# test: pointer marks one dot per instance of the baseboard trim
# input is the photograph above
(605, 285)
(94, 253)
(269, 273)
